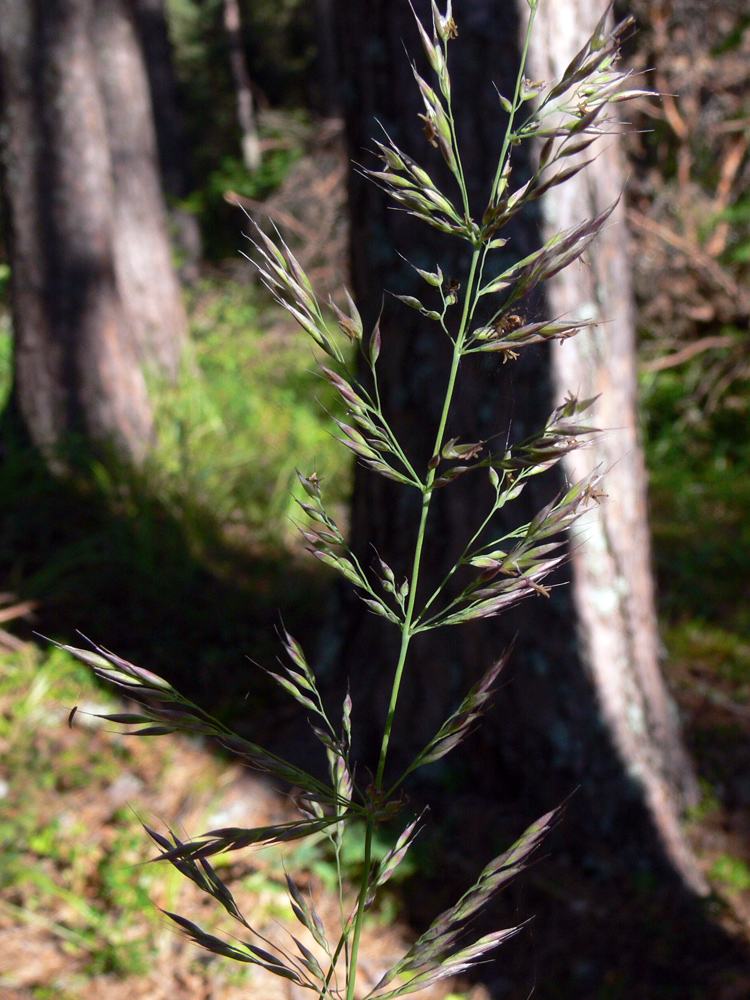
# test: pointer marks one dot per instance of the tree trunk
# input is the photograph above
(171, 134)
(75, 361)
(612, 578)
(327, 58)
(94, 296)
(245, 110)
(557, 725)
(169, 119)
(143, 255)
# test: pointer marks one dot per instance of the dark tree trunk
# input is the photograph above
(171, 133)
(171, 130)
(557, 725)
(327, 59)
(82, 331)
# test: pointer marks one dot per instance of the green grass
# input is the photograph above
(74, 874)
(732, 872)
(207, 526)
(712, 650)
(700, 498)
(248, 405)
(5, 336)
(232, 432)
(73, 854)
(56, 874)
(699, 468)
(221, 480)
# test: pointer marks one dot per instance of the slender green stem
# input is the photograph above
(360, 917)
(392, 439)
(439, 589)
(515, 106)
(454, 140)
(406, 633)
(335, 956)
(373, 406)
(406, 628)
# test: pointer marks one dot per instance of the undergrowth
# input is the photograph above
(74, 857)
(228, 433)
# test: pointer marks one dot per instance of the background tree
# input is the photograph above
(96, 305)
(170, 121)
(169, 115)
(585, 682)
(245, 104)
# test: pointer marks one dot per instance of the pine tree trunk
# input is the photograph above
(557, 725)
(76, 363)
(171, 134)
(143, 255)
(94, 296)
(169, 118)
(610, 553)
(327, 58)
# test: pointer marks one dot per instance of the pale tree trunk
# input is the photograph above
(143, 257)
(94, 297)
(610, 552)
(245, 109)
(557, 726)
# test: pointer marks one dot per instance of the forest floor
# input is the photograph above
(78, 907)
(78, 902)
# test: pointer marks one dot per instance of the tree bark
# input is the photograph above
(558, 725)
(171, 134)
(169, 119)
(245, 110)
(75, 362)
(327, 58)
(143, 255)
(80, 337)
(611, 552)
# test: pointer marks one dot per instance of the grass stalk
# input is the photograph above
(406, 627)
(506, 568)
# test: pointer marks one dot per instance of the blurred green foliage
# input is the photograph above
(278, 40)
(278, 43)
(732, 873)
(186, 563)
(222, 223)
(700, 495)
(52, 873)
(248, 406)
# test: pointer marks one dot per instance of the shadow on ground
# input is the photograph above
(170, 591)
(159, 583)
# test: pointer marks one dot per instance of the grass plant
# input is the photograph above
(564, 118)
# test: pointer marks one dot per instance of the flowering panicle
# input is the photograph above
(563, 119)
